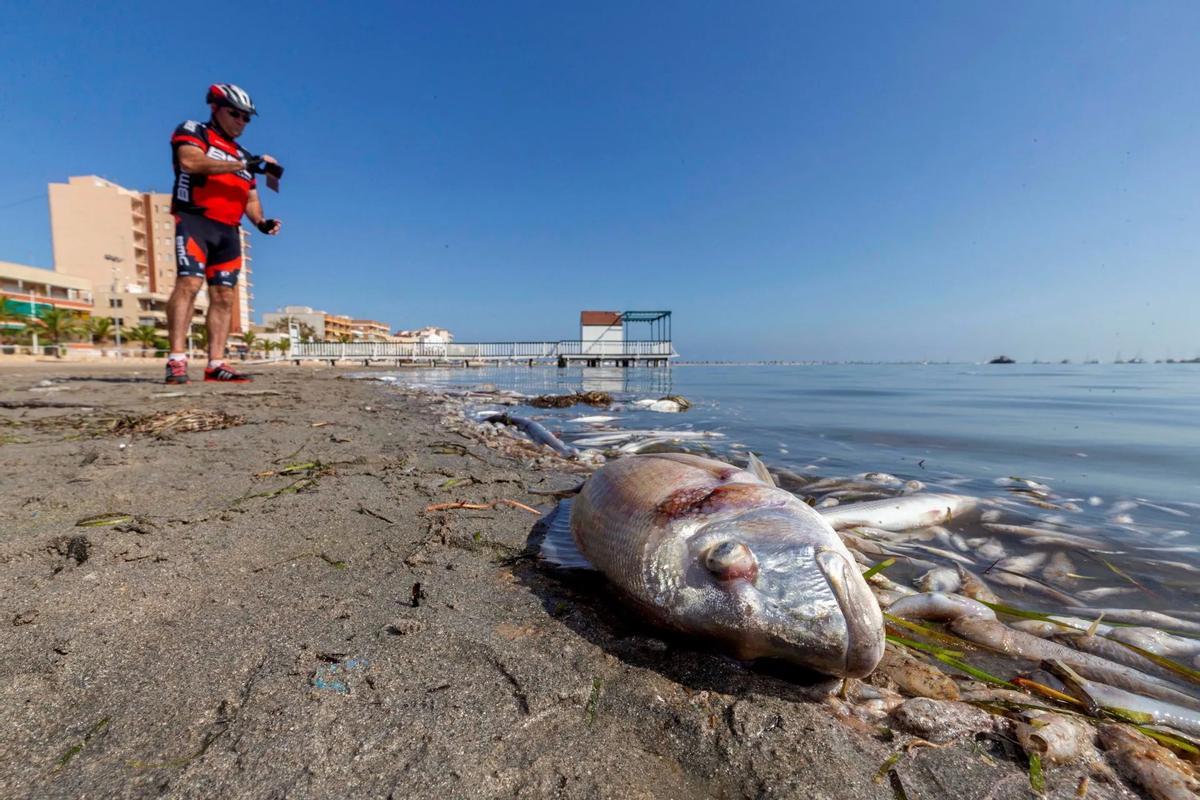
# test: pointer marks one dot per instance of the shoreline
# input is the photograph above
(272, 609)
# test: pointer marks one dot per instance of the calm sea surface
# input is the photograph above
(1117, 447)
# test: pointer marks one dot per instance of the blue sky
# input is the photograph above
(836, 181)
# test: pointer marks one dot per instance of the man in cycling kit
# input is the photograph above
(214, 187)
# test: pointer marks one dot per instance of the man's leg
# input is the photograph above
(220, 315)
(179, 311)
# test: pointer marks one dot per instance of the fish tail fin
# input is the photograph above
(558, 545)
(759, 469)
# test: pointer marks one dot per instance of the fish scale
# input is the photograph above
(626, 511)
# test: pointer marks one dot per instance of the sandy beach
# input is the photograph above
(242, 591)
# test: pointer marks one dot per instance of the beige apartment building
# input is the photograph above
(122, 241)
(326, 327)
(370, 330)
(31, 290)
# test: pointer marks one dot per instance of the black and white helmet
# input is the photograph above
(230, 95)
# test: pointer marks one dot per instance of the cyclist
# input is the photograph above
(214, 187)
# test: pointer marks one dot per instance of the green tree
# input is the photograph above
(200, 335)
(250, 339)
(11, 322)
(54, 325)
(145, 335)
(345, 338)
(101, 329)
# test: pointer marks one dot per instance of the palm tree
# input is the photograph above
(200, 336)
(11, 322)
(100, 328)
(345, 338)
(145, 335)
(53, 325)
(249, 338)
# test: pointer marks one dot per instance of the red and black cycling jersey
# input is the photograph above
(221, 198)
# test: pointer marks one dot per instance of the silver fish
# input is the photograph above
(900, 513)
(712, 549)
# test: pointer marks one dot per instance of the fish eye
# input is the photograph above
(732, 560)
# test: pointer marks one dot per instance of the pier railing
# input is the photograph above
(481, 351)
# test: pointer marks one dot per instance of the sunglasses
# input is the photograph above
(242, 115)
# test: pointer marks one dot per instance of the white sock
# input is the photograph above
(214, 364)
(177, 357)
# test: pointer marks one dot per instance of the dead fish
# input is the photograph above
(900, 513)
(1092, 595)
(974, 587)
(1147, 763)
(714, 550)
(535, 431)
(938, 579)
(1021, 565)
(991, 550)
(1060, 570)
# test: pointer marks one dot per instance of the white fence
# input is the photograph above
(480, 351)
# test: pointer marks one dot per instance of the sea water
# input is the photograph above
(1116, 446)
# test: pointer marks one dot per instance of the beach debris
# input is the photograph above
(671, 404)
(405, 627)
(1148, 764)
(978, 623)
(368, 512)
(75, 548)
(417, 595)
(535, 431)
(914, 676)
(44, 404)
(102, 520)
(940, 720)
(162, 423)
(709, 549)
(596, 399)
(334, 675)
(458, 504)
(328, 559)
(74, 750)
(515, 504)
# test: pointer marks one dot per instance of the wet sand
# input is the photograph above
(271, 610)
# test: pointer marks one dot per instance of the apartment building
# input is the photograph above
(370, 330)
(430, 334)
(122, 241)
(32, 290)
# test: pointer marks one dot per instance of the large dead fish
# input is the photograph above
(711, 549)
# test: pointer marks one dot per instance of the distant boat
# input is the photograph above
(1002, 360)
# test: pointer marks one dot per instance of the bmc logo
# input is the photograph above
(184, 190)
(218, 154)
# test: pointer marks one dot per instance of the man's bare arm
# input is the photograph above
(193, 160)
(254, 211)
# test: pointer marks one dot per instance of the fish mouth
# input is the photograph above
(864, 621)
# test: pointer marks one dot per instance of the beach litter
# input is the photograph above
(334, 675)
(671, 404)
(597, 399)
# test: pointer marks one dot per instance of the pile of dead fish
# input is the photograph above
(992, 592)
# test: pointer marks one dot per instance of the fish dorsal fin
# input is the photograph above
(759, 469)
(558, 546)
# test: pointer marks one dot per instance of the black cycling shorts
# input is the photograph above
(204, 247)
